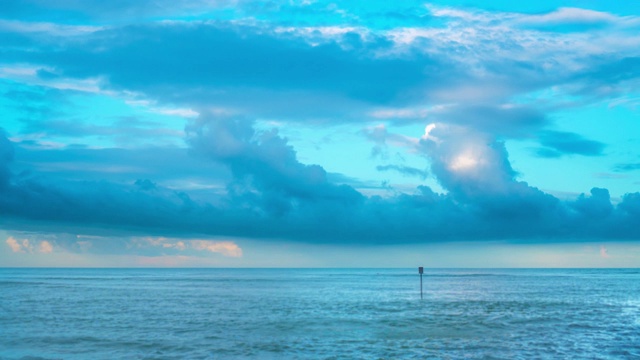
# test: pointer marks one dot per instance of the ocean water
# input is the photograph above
(319, 314)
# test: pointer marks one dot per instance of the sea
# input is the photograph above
(319, 314)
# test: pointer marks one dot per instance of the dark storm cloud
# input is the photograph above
(598, 205)
(265, 162)
(273, 195)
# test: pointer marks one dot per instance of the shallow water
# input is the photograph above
(319, 314)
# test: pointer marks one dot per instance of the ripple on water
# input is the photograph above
(318, 314)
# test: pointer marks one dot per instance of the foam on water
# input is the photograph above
(318, 314)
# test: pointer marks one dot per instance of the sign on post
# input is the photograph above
(420, 271)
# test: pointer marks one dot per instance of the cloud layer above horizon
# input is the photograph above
(171, 127)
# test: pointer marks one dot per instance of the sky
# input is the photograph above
(159, 133)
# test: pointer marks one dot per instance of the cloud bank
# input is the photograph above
(273, 195)
(475, 79)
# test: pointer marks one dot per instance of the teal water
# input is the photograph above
(319, 314)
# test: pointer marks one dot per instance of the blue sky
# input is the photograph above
(308, 133)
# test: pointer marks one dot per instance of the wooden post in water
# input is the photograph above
(420, 271)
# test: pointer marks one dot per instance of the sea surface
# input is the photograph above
(319, 314)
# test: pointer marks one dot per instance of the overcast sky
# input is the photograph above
(309, 133)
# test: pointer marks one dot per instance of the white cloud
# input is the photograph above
(26, 246)
(326, 31)
(45, 247)
(476, 38)
(226, 248)
(14, 244)
(464, 161)
(427, 132)
(467, 159)
(179, 245)
(398, 113)
(570, 15)
(182, 112)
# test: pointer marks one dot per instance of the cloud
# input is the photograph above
(631, 204)
(474, 167)
(480, 76)
(266, 171)
(25, 245)
(568, 15)
(608, 78)
(162, 245)
(148, 246)
(384, 70)
(273, 195)
(560, 143)
(45, 247)
(14, 245)
(124, 131)
(467, 161)
(218, 63)
(603, 252)
(405, 170)
(504, 59)
(115, 164)
(627, 167)
(45, 28)
(6, 156)
(480, 64)
(506, 120)
(225, 248)
(381, 137)
(598, 205)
